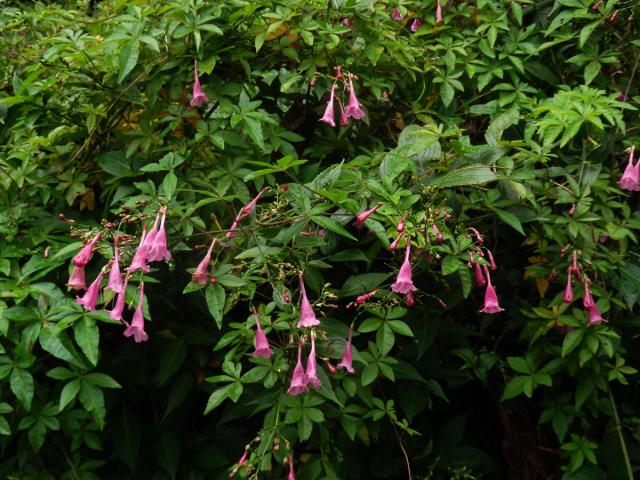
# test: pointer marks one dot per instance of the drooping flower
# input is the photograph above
(436, 230)
(311, 373)
(328, 116)
(332, 370)
(262, 344)
(568, 290)
(409, 299)
(84, 255)
(479, 238)
(201, 275)
(140, 257)
(404, 282)
(307, 315)
(248, 208)
(631, 175)
(118, 308)
(198, 97)
(291, 475)
(572, 210)
(137, 324)
(394, 244)
(361, 217)
(478, 276)
(151, 234)
(158, 249)
(115, 278)
(439, 17)
(243, 459)
(354, 110)
(232, 231)
(595, 317)
(77, 279)
(344, 120)
(396, 15)
(298, 379)
(416, 24)
(365, 296)
(491, 304)
(492, 263)
(402, 223)
(347, 358)
(90, 297)
(574, 263)
(587, 299)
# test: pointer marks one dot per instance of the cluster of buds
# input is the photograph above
(595, 317)
(353, 110)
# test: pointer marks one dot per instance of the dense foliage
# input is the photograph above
(477, 148)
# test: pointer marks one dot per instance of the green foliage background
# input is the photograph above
(503, 116)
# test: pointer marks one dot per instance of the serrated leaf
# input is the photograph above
(470, 175)
(215, 296)
(332, 225)
(128, 58)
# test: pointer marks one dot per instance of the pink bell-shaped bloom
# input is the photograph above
(136, 329)
(299, 379)
(402, 223)
(307, 315)
(436, 230)
(491, 304)
(151, 234)
(492, 263)
(291, 475)
(575, 268)
(478, 276)
(631, 175)
(394, 244)
(248, 208)
(404, 281)
(396, 15)
(361, 217)
(311, 373)
(587, 299)
(121, 299)
(84, 255)
(90, 297)
(347, 359)
(344, 120)
(594, 316)
(158, 249)
(201, 275)
(77, 279)
(262, 344)
(409, 299)
(353, 108)
(415, 25)
(198, 97)
(140, 257)
(115, 278)
(568, 290)
(329, 117)
(439, 17)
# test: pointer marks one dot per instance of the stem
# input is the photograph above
(618, 427)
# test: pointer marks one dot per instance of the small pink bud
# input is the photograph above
(568, 290)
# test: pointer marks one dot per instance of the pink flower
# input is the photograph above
(291, 475)
(118, 308)
(394, 244)
(353, 108)
(631, 175)
(416, 24)
(248, 208)
(479, 238)
(198, 96)
(396, 15)
(347, 360)
(140, 257)
(307, 316)
(479, 277)
(587, 299)
(311, 374)
(151, 234)
(158, 248)
(346, 22)
(201, 275)
(243, 459)
(361, 217)
(328, 116)
(90, 297)
(439, 12)
(137, 324)
(568, 290)
(492, 264)
(77, 279)
(409, 299)
(572, 210)
(232, 231)
(365, 296)
(299, 379)
(491, 304)
(115, 279)
(404, 281)
(262, 344)
(401, 223)
(594, 316)
(344, 120)
(84, 255)
(436, 230)
(574, 263)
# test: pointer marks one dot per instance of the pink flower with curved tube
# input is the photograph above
(262, 344)
(329, 117)
(587, 299)
(361, 217)
(115, 278)
(307, 315)
(344, 120)
(595, 317)
(404, 281)
(396, 15)
(394, 244)
(248, 208)
(90, 297)
(201, 275)
(491, 304)
(118, 308)
(77, 279)
(439, 17)
(575, 268)
(347, 358)
(139, 261)
(415, 25)
(291, 475)
(84, 255)
(568, 290)
(354, 110)
(478, 276)
(136, 329)
(311, 373)
(631, 175)
(151, 234)
(492, 263)
(299, 379)
(198, 97)
(158, 248)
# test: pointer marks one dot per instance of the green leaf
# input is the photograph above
(126, 438)
(515, 387)
(369, 374)
(510, 219)
(21, 384)
(69, 392)
(87, 337)
(586, 32)
(168, 453)
(470, 175)
(215, 296)
(254, 130)
(101, 380)
(451, 264)
(332, 225)
(446, 93)
(169, 184)
(217, 397)
(128, 58)
(400, 327)
(571, 341)
(5, 429)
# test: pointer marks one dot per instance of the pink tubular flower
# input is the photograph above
(118, 308)
(198, 96)
(84, 255)
(402, 223)
(328, 116)
(492, 264)
(572, 210)
(479, 238)
(201, 275)
(137, 324)
(361, 217)
(115, 279)
(404, 281)
(631, 175)
(353, 108)
(151, 234)
(394, 244)
(90, 297)
(299, 379)
(587, 299)
(396, 15)
(568, 290)
(248, 208)
(491, 304)
(291, 475)
(436, 230)
(347, 360)
(479, 277)
(262, 344)
(158, 248)
(415, 25)
(77, 279)
(344, 120)
(233, 230)
(307, 316)
(409, 299)
(140, 257)
(439, 18)
(311, 373)
(365, 296)
(574, 263)
(594, 316)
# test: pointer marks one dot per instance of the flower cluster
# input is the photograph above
(595, 317)
(354, 109)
